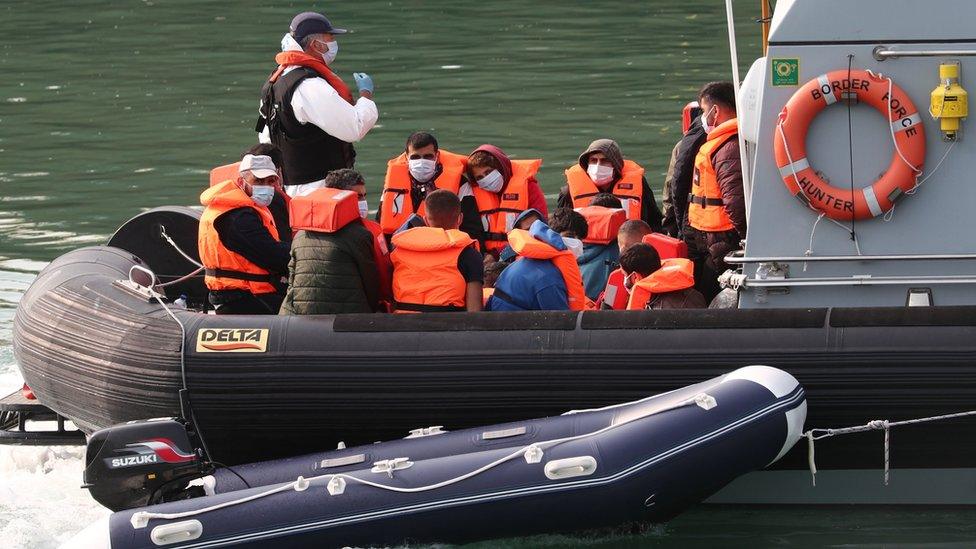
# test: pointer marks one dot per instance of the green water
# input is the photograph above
(109, 108)
(106, 108)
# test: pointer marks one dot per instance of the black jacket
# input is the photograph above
(684, 167)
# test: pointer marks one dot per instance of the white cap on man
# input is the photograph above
(260, 165)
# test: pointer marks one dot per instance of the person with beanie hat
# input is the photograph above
(602, 168)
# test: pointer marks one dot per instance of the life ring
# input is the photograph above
(907, 132)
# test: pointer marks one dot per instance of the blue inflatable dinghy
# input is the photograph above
(642, 461)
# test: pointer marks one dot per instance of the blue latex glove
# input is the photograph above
(363, 82)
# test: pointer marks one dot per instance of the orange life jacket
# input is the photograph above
(629, 188)
(667, 246)
(328, 210)
(674, 274)
(615, 295)
(526, 245)
(323, 210)
(602, 223)
(224, 269)
(225, 172)
(499, 210)
(425, 270)
(384, 267)
(706, 210)
(396, 204)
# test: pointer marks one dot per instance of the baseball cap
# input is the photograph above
(309, 22)
(260, 165)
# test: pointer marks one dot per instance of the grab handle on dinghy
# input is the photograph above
(177, 532)
(570, 467)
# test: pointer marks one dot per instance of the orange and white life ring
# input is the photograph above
(802, 180)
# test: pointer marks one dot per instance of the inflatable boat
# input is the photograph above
(874, 312)
(636, 462)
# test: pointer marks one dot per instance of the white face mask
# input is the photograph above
(422, 169)
(262, 195)
(574, 245)
(704, 120)
(492, 182)
(629, 284)
(599, 173)
(330, 54)
(363, 208)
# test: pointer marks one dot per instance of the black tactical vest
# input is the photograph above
(309, 153)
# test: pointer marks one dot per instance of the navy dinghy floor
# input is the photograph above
(636, 462)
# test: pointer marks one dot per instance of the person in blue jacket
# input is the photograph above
(534, 282)
(598, 260)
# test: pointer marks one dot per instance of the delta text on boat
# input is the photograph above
(871, 307)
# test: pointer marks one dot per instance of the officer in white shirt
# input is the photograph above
(307, 110)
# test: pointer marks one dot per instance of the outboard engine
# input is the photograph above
(142, 463)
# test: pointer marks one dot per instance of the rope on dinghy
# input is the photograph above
(814, 435)
(337, 481)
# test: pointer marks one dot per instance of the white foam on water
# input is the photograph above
(34, 481)
(41, 502)
(16, 100)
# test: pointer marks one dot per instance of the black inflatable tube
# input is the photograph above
(101, 356)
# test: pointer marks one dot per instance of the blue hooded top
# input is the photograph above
(532, 284)
(596, 264)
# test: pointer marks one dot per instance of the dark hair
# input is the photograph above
(719, 93)
(606, 200)
(564, 220)
(419, 140)
(483, 159)
(642, 258)
(636, 227)
(492, 271)
(345, 179)
(266, 149)
(443, 207)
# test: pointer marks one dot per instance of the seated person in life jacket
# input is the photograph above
(501, 189)
(615, 295)
(240, 248)
(422, 168)
(279, 204)
(333, 266)
(604, 216)
(436, 267)
(352, 180)
(656, 284)
(602, 169)
(545, 277)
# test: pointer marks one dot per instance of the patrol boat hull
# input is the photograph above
(638, 462)
(100, 355)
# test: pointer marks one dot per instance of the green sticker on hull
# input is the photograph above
(785, 72)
